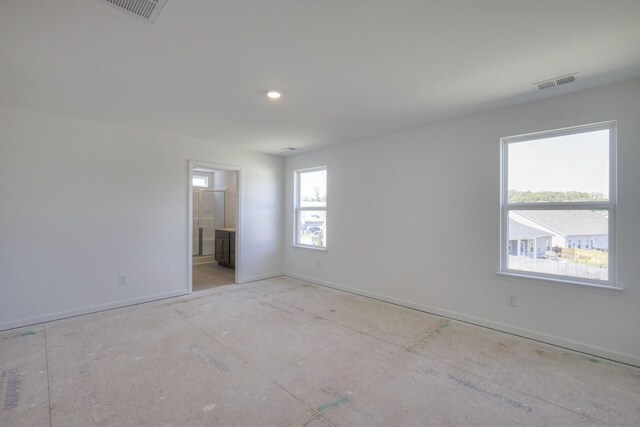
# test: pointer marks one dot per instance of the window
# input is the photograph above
(311, 208)
(560, 186)
(200, 181)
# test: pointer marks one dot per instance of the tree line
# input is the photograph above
(516, 196)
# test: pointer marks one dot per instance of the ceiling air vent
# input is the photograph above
(145, 9)
(562, 80)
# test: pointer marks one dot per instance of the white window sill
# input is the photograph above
(314, 248)
(559, 281)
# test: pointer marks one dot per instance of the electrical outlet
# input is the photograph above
(123, 280)
(512, 300)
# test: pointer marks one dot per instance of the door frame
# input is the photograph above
(216, 166)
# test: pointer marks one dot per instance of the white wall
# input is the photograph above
(82, 202)
(430, 250)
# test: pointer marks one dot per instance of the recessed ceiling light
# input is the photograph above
(274, 95)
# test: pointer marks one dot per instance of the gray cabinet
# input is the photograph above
(225, 252)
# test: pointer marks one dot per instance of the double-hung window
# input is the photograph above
(311, 207)
(558, 190)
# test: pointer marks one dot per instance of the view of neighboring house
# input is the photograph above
(525, 240)
(568, 229)
(311, 221)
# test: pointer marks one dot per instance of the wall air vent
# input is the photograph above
(562, 80)
(145, 9)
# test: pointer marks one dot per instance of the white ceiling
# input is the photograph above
(348, 70)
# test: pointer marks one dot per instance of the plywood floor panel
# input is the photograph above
(281, 352)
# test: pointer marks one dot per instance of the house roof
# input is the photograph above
(571, 223)
(521, 231)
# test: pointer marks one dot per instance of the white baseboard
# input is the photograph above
(256, 278)
(12, 324)
(86, 310)
(537, 336)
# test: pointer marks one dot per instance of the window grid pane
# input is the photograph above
(200, 181)
(313, 189)
(571, 243)
(311, 228)
(558, 169)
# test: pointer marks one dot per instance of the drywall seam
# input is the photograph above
(88, 310)
(526, 333)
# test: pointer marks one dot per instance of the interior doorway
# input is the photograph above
(214, 212)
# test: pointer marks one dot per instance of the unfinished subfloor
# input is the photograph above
(282, 352)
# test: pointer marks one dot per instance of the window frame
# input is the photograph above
(609, 205)
(298, 209)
